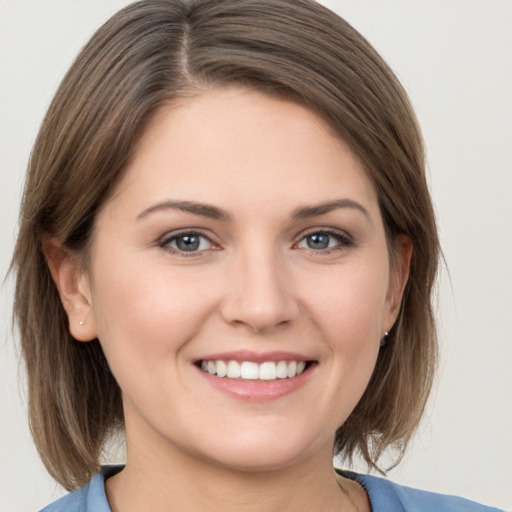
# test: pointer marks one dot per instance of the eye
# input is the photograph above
(186, 242)
(324, 240)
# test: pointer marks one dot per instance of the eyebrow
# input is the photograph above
(323, 208)
(204, 210)
(213, 212)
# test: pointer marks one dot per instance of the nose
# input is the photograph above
(260, 293)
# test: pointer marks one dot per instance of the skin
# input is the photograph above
(253, 284)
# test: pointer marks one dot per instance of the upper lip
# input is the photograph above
(256, 357)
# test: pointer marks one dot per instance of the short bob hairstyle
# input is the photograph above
(144, 57)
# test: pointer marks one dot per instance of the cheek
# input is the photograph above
(144, 312)
(348, 307)
(349, 302)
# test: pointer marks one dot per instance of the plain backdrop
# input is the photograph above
(455, 59)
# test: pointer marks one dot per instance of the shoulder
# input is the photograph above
(90, 498)
(386, 496)
(73, 502)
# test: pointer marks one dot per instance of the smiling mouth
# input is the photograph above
(249, 370)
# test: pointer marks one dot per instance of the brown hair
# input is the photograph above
(146, 55)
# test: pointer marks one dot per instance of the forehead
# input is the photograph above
(225, 144)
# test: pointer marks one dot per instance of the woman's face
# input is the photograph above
(244, 239)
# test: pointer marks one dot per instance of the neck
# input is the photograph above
(166, 478)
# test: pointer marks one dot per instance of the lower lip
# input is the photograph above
(258, 390)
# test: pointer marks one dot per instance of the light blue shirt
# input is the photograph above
(384, 495)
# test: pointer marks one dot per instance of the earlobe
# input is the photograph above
(399, 276)
(73, 287)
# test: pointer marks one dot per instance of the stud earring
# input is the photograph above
(81, 322)
(383, 340)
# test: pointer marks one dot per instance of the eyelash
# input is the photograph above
(165, 242)
(343, 241)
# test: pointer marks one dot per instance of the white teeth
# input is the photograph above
(282, 370)
(249, 370)
(222, 369)
(233, 370)
(267, 371)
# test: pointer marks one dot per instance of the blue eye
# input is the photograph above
(324, 241)
(187, 242)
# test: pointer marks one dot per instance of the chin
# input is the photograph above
(255, 460)
(259, 453)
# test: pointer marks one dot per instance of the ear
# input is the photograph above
(74, 289)
(399, 274)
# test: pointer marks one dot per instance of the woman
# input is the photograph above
(227, 232)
